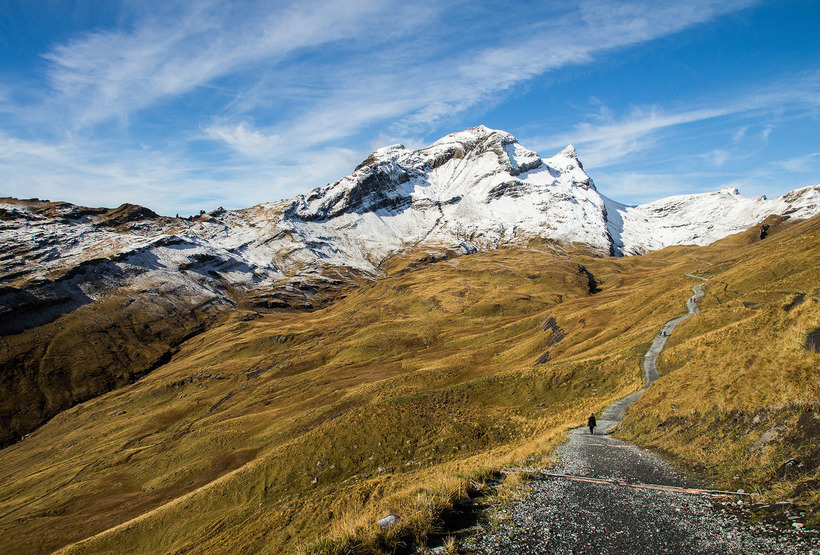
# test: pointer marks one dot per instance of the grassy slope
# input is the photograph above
(90, 351)
(740, 392)
(274, 433)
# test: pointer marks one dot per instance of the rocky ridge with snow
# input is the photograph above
(93, 298)
(472, 190)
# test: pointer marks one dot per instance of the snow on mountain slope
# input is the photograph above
(702, 219)
(93, 297)
(57, 257)
(474, 189)
(470, 190)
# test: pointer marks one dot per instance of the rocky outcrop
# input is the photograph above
(124, 214)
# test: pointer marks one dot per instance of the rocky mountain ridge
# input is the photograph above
(471, 190)
(130, 277)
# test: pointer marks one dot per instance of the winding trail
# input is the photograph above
(601, 516)
(616, 411)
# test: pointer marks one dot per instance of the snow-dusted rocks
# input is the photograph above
(702, 219)
(475, 189)
(471, 190)
(57, 257)
(93, 298)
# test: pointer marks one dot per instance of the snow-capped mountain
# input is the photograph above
(94, 298)
(701, 219)
(471, 190)
(475, 189)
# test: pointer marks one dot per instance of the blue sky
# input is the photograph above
(212, 103)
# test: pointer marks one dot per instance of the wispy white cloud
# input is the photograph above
(640, 187)
(568, 39)
(612, 140)
(740, 133)
(636, 187)
(111, 74)
(5, 102)
(409, 95)
(606, 139)
(246, 140)
(718, 157)
(73, 170)
(279, 86)
(165, 181)
(723, 169)
(384, 139)
(803, 163)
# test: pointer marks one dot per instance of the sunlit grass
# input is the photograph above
(740, 394)
(296, 432)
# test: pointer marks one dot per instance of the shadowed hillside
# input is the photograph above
(89, 351)
(290, 431)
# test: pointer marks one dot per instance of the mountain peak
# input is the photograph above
(568, 152)
(470, 143)
(478, 187)
(567, 162)
(476, 134)
(474, 189)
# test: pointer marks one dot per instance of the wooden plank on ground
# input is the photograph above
(675, 489)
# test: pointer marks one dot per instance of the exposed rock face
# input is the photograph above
(474, 189)
(470, 190)
(97, 271)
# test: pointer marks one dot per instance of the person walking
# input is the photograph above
(591, 423)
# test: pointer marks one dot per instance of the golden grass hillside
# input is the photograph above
(295, 432)
(89, 351)
(739, 398)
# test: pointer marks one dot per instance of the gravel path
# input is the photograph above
(561, 516)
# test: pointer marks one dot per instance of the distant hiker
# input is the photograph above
(591, 423)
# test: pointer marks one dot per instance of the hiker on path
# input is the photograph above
(591, 423)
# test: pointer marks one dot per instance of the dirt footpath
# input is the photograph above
(561, 516)
(564, 516)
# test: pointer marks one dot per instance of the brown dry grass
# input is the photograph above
(296, 432)
(741, 370)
